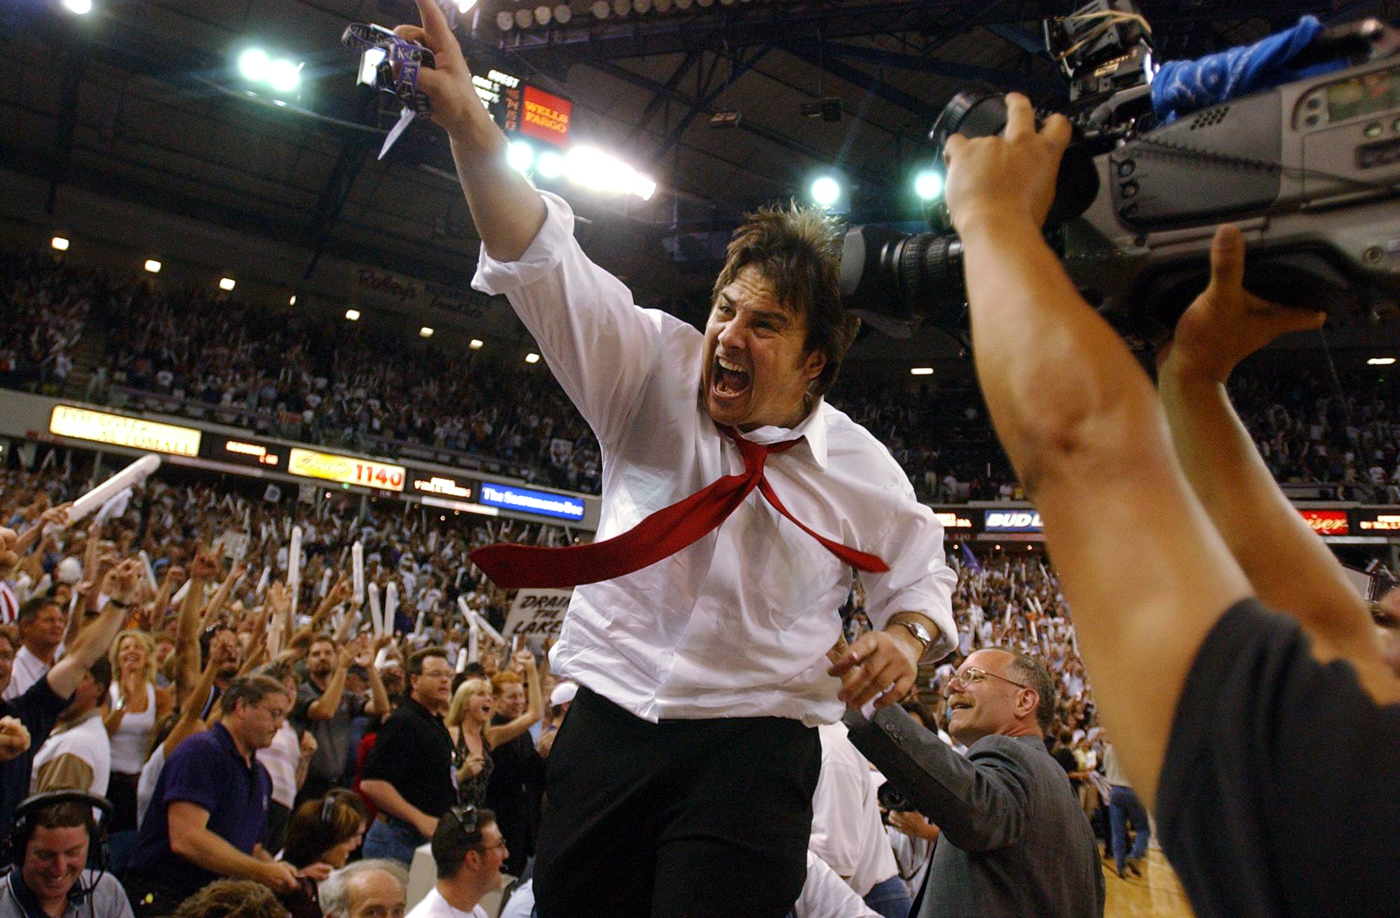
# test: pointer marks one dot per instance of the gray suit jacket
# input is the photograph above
(1014, 841)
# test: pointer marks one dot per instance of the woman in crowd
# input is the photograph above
(135, 704)
(468, 720)
(321, 832)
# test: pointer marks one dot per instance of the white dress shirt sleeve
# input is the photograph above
(598, 343)
(919, 579)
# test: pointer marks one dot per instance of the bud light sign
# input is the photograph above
(1012, 521)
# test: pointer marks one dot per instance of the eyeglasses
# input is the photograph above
(972, 675)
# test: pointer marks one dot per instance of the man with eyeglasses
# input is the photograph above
(408, 773)
(1014, 840)
(210, 806)
(468, 851)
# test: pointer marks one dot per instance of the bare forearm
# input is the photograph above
(1288, 565)
(508, 213)
(324, 707)
(204, 848)
(387, 798)
(1055, 375)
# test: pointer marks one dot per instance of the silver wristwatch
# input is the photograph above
(920, 634)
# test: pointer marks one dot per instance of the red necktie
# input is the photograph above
(658, 536)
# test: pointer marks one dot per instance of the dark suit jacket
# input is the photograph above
(1014, 841)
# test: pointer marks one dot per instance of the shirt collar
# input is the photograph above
(812, 432)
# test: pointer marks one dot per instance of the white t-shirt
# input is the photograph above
(738, 623)
(280, 759)
(146, 784)
(27, 670)
(826, 895)
(86, 740)
(435, 906)
(846, 829)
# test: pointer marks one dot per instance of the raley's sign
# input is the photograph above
(407, 291)
(1327, 522)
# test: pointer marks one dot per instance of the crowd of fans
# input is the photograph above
(283, 373)
(210, 638)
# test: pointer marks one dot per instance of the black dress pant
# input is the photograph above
(681, 819)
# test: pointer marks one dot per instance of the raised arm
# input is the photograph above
(504, 733)
(186, 651)
(121, 585)
(1145, 572)
(1286, 562)
(508, 213)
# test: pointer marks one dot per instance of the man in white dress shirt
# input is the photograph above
(468, 851)
(703, 674)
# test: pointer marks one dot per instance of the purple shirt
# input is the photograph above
(208, 771)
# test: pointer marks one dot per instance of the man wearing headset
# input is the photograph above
(52, 835)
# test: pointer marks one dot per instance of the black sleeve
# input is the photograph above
(38, 709)
(386, 758)
(1280, 791)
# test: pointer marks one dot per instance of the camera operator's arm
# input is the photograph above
(508, 213)
(1145, 573)
(1289, 566)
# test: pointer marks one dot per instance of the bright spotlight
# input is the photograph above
(476, 344)
(826, 191)
(293, 300)
(226, 283)
(283, 75)
(353, 315)
(152, 266)
(549, 165)
(928, 185)
(59, 243)
(520, 155)
(425, 332)
(643, 187)
(79, 7)
(921, 371)
(532, 357)
(254, 64)
(1381, 361)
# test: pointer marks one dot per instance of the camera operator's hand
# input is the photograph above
(448, 85)
(1011, 175)
(1227, 323)
(913, 824)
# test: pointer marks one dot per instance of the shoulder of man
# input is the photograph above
(849, 443)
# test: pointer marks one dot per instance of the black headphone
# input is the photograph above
(26, 823)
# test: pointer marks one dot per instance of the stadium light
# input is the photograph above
(549, 164)
(226, 283)
(928, 185)
(59, 243)
(293, 300)
(425, 332)
(282, 75)
(826, 191)
(520, 155)
(1381, 361)
(353, 315)
(254, 64)
(921, 371)
(78, 7)
(152, 266)
(532, 357)
(593, 168)
(476, 344)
